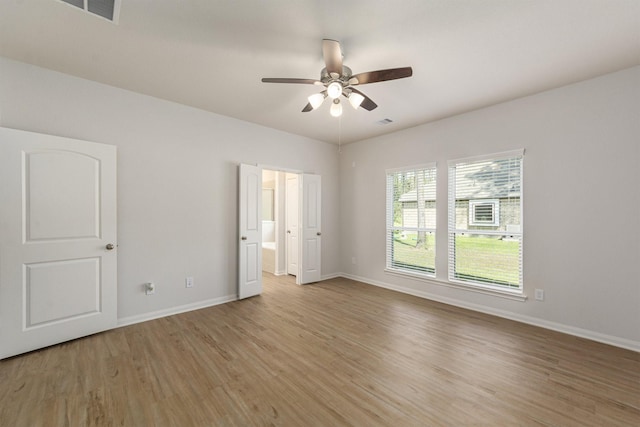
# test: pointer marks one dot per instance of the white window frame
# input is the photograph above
(495, 212)
(453, 231)
(390, 227)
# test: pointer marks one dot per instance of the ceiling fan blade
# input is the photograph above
(332, 55)
(307, 108)
(367, 104)
(381, 75)
(286, 80)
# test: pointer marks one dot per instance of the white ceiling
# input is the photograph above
(211, 54)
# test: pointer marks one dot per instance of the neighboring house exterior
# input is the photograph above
(477, 206)
(496, 214)
(409, 202)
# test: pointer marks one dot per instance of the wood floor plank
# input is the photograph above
(337, 353)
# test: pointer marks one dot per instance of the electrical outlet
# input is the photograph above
(149, 288)
(189, 282)
(539, 295)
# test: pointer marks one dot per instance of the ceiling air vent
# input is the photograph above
(384, 121)
(108, 9)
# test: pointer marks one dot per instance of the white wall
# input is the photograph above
(177, 199)
(582, 161)
(177, 180)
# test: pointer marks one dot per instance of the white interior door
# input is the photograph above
(292, 217)
(58, 278)
(311, 241)
(250, 231)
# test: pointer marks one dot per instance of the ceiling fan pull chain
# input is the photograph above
(339, 134)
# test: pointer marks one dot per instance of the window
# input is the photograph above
(485, 221)
(411, 220)
(484, 212)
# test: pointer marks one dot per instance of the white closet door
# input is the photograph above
(311, 240)
(250, 231)
(292, 214)
(58, 276)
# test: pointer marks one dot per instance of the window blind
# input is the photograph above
(411, 220)
(485, 220)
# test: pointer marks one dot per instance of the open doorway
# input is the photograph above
(306, 233)
(280, 228)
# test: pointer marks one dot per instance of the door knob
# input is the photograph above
(243, 238)
(318, 233)
(288, 231)
(109, 246)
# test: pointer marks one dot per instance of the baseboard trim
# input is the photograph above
(558, 327)
(332, 276)
(131, 320)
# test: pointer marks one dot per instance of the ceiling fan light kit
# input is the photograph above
(336, 108)
(316, 99)
(355, 99)
(339, 80)
(334, 90)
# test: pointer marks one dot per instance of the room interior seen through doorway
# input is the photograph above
(280, 228)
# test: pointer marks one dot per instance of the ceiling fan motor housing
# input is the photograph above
(326, 78)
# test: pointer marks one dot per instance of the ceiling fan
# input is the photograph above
(338, 79)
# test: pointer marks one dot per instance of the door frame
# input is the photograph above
(292, 171)
(300, 174)
(288, 205)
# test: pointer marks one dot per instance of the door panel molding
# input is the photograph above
(49, 217)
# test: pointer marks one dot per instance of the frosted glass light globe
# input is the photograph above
(316, 100)
(336, 108)
(356, 99)
(334, 90)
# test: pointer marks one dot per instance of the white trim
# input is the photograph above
(117, 4)
(558, 327)
(412, 273)
(331, 276)
(486, 232)
(125, 321)
(430, 165)
(515, 294)
(416, 229)
(495, 156)
(279, 169)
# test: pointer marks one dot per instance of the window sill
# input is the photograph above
(514, 295)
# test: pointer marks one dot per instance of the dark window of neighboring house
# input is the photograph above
(484, 212)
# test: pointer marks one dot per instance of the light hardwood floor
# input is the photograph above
(329, 354)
